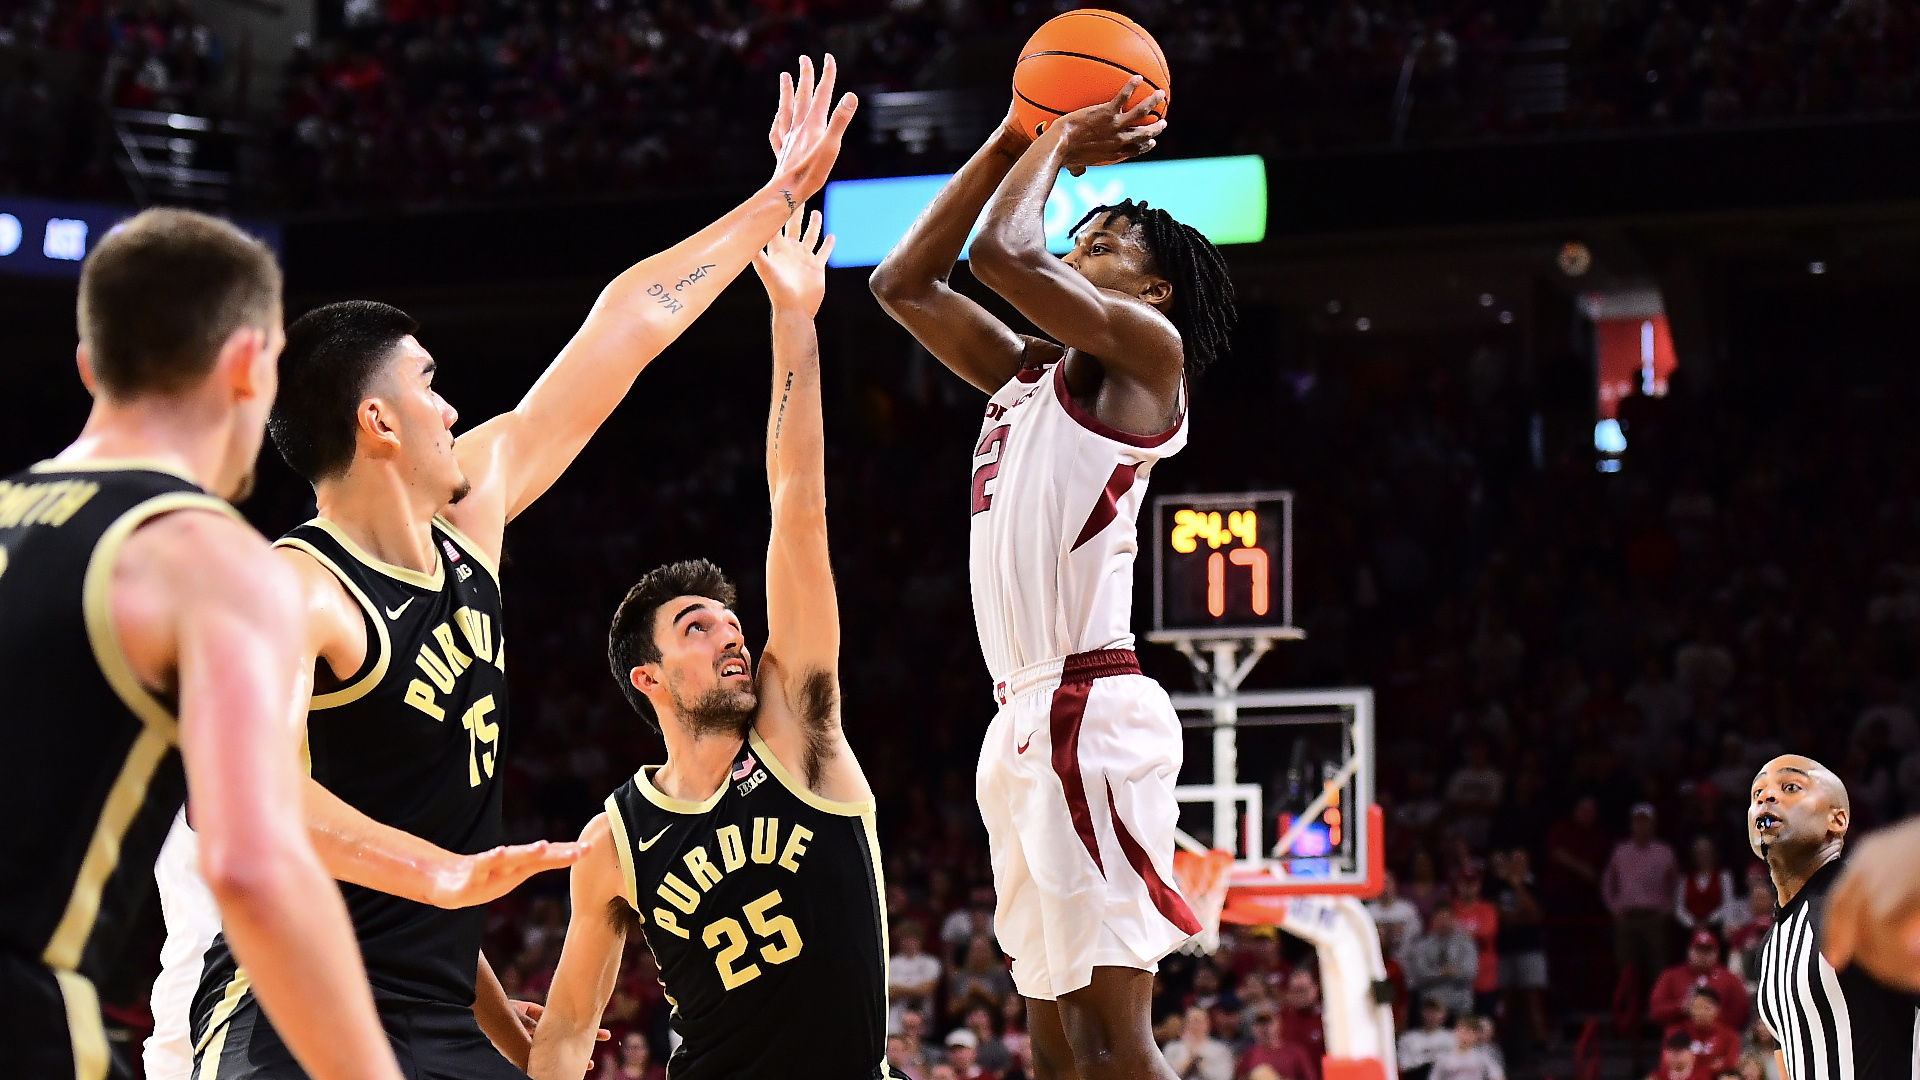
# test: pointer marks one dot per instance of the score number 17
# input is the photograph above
(1192, 526)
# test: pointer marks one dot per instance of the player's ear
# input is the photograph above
(244, 363)
(1157, 291)
(645, 678)
(1838, 819)
(84, 361)
(375, 419)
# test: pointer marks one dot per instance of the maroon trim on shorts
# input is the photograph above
(1168, 901)
(1084, 667)
(1069, 708)
(1099, 427)
(1108, 507)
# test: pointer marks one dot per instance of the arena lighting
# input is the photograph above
(51, 239)
(1224, 197)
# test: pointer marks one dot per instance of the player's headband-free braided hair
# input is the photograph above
(1203, 303)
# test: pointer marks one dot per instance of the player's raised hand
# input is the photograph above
(1109, 131)
(807, 130)
(793, 265)
(1873, 917)
(467, 880)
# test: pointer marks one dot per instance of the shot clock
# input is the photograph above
(1222, 564)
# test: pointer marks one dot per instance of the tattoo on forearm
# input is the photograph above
(788, 195)
(659, 294)
(696, 275)
(780, 415)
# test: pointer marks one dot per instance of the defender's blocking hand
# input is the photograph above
(791, 268)
(468, 880)
(805, 135)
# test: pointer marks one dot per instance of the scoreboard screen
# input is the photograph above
(1223, 562)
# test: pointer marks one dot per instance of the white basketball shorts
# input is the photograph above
(1075, 784)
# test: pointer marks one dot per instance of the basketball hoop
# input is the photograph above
(1203, 880)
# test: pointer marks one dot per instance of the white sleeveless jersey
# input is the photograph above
(1056, 494)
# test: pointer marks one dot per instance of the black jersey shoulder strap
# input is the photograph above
(322, 541)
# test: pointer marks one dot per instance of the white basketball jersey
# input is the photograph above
(1056, 494)
(193, 918)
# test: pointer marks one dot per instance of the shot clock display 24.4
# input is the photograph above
(1223, 563)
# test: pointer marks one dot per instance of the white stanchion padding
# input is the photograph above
(1348, 943)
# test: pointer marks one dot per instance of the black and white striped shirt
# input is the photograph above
(1831, 1026)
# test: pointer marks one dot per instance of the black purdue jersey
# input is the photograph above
(413, 740)
(90, 777)
(763, 907)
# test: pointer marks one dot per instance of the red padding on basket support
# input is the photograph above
(1334, 1068)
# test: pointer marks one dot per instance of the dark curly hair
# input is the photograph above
(1203, 305)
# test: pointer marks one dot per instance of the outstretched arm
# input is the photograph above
(242, 693)
(355, 848)
(352, 846)
(513, 458)
(799, 670)
(589, 961)
(911, 283)
(1010, 255)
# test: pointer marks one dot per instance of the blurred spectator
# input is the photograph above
(964, 924)
(1013, 1034)
(1638, 886)
(1706, 899)
(636, 1060)
(1300, 1019)
(1746, 940)
(963, 1056)
(913, 974)
(902, 1058)
(1521, 944)
(1716, 1047)
(990, 1050)
(982, 980)
(1470, 1059)
(1399, 921)
(1288, 1059)
(1676, 1060)
(1419, 1048)
(1668, 1005)
(1577, 850)
(1443, 963)
(941, 1070)
(1481, 921)
(1196, 1054)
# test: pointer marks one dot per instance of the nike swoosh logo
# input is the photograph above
(1022, 748)
(394, 613)
(645, 844)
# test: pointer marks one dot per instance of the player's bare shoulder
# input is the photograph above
(799, 720)
(187, 565)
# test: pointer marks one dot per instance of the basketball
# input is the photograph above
(1083, 58)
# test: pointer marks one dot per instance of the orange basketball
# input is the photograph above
(1083, 58)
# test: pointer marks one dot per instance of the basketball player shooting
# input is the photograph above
(1076, 774)
(749, 860)
(404, 617)
(143, 622)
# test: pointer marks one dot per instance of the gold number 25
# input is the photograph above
(728, 930)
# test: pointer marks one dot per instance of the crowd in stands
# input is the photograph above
(412, 102)
(63, 61)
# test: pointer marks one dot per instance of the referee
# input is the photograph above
(1830, 1026)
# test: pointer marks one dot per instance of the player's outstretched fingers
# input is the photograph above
(1119, 101)
(783, 114)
